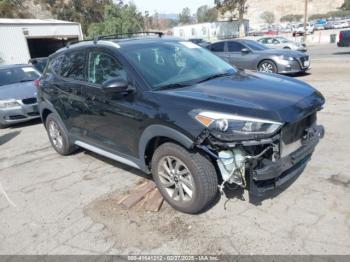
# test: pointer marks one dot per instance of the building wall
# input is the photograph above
(209, 31)
(13, 43)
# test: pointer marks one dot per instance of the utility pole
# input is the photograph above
(305, 20)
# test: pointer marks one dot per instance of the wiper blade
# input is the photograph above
(173, 85)
(213, 77)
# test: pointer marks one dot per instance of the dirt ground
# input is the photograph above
(51, 204)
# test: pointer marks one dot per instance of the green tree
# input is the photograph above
(118, 19)
(268, 17)
(185, 16)
(206, 14)
(232, 6)
(291, 18)
(13, 9)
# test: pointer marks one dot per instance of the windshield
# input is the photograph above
(17, 74)
(283, 40)
(175, 64)
(255, 45)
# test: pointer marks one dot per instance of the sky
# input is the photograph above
(170, 6)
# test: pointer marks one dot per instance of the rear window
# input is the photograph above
(18, 75)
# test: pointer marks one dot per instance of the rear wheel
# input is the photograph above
(58, 136)
(187, 181)
(267, 66)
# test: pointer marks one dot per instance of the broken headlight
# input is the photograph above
(239, 126)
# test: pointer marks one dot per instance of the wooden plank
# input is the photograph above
(154, 202)
(137, 194)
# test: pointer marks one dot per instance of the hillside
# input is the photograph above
(283, 7)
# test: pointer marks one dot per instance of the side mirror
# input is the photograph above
(245, 51)
(116, 85)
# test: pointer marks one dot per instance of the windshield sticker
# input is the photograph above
(189, 45)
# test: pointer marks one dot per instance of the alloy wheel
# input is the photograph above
(266, 67)
(176, 179)
(55, 135)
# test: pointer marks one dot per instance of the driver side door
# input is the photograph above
(110, 119)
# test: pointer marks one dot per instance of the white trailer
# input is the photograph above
(23, 39)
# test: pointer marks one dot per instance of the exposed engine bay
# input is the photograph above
(263, 164)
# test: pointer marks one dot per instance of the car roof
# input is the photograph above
(118, 43)
(14, 66)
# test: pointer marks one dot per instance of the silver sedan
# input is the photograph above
(249, 54)
(17, 94)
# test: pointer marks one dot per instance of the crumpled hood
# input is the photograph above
(18, 91)
(266, 96)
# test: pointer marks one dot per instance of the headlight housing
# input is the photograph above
(287, 58)
(238, 127)
(9, 103)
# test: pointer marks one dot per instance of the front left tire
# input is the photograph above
(187, 180)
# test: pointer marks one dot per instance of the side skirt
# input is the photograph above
(102, 152)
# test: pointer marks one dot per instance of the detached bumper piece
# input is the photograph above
(276, 174)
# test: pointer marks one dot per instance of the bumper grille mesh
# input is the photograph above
(29, 101)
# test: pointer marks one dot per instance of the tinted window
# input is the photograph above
(235, 47)
(218, 47)
(17, 75)
(73, 65)
(255, 45)
(103, 67)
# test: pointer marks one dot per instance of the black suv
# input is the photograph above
(173, 109)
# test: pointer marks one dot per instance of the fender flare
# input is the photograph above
(161, 131)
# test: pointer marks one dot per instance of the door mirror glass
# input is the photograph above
(115, 85)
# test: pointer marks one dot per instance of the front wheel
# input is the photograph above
(267, 66)
(187, 181)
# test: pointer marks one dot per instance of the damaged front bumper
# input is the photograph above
(274, 174)
(267, 170)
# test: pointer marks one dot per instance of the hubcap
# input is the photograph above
(176, 178)
(266, 67)
(55, 135)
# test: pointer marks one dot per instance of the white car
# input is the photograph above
(299, 29)
(282, 43)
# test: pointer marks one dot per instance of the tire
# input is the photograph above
(201, 178)
(60, 142)
(267, 66)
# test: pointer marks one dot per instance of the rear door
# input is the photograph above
(63, 85)
(219, 50)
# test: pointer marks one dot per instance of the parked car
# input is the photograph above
(300, 30)
(249, 54)
(38, 63)
(17, 94)
(173, 109)
(199, 41)
(282, 43)
(329, 25)
(344, 39)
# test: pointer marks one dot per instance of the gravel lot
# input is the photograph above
(67, 205)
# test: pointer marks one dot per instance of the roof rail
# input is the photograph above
(115, 36)
(126, 35)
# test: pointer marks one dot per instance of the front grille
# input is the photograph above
(16, 117)
(295, 131)
(29, 101)
(304, 58)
